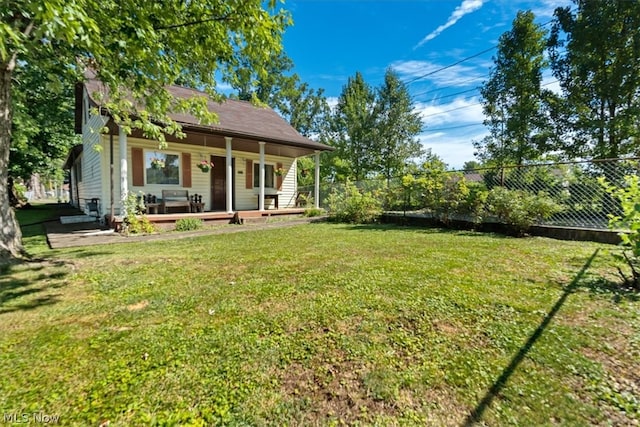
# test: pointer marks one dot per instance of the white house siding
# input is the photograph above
(247, 199)
(93, 152)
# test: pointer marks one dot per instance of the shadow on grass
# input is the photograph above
(476, 414)
(602, 286)
(23, 294)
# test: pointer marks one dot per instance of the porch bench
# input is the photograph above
(273, 197)
(175, 199)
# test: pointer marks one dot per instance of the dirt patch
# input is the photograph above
(138, 306)
(334, 390)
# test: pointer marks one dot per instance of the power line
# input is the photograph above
(471, 105)
(453, 127)
(458, 84)
(453, 109)
(408, 82)
(451, 94)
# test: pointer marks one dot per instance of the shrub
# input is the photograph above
(353, 206)
(474, 203)
(629, 220)
(20, 191)
(313, 212)
(520, 209)
(452, 197)
(189, 224)
(134, 221)
(139, 224)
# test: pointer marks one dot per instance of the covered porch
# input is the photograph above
(245, 162)
(167, 221)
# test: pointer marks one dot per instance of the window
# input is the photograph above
(162, 168)
(269, 182)
(78, 167)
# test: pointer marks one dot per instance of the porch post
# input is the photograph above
(229, 191)
(124, 187)
(316, 195)
(261, 172)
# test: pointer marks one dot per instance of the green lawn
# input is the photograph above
(322, 324)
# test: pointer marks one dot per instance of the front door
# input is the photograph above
(219, 183)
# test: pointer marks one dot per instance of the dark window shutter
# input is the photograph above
(280, 178)
(186, 169)
(137, 167)
(249, 175)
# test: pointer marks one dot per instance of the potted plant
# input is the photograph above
(157, 163)
(279, 171)
(205, 166)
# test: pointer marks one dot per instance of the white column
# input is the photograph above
(316, 192)
(229, 191)
(124, 185)
(261, 172)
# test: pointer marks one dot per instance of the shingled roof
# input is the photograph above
(235, 119)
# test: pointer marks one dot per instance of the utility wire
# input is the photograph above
(453, 127)
(453, 109)
(471, 105)
(408, 82)
(453, 94)
(459, 84)
(430, 73)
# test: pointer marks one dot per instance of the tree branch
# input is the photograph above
(12, 61)
(191, 23)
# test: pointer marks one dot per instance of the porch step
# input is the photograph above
(252, 217)
(74, 219)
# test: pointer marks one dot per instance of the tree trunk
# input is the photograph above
(10, 235)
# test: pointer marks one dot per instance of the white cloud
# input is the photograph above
(332, 101)
(458, 112)
(549, 82)
(545, 8)
(458, 75)
(454, 149)
(467, 6)
(457, 120)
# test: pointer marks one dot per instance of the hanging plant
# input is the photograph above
(205, 166)
(280, 171)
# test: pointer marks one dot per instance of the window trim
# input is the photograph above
(146, 164)
(256, 176)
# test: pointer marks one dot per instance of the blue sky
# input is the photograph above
(332, 39)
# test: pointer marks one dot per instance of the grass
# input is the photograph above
(322, 324)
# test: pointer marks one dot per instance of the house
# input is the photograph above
(253, 151)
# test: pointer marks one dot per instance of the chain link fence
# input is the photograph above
(571, 190)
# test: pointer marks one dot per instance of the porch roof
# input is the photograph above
(246, 123)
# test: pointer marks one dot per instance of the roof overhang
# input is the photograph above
(73, 155)
(246, 122)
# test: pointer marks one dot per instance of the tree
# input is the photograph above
(43, 120)
(471, 165)
(597, 66)
(270, 89)
(136, 48)
(397, 124)
(352, 129)
(307, 111)
(512, 97)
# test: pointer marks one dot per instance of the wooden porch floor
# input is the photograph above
(167, 220)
